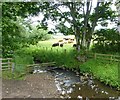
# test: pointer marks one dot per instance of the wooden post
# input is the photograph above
(8, 64)
(13, 66)
(0, 68)
(26, 70)
(95, 55)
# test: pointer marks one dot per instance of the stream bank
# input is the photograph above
(33, 86)
(77, 85)
(54, 82)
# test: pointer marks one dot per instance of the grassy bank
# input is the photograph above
(62, 56)
(105, 71)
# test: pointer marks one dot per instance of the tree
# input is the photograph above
(106, 40)
(12, 31)
(13, 36)
(80, 16)
(118, 10)
(35, 35)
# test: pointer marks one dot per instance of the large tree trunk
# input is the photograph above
(118, 9)
(86, 18)
(77, 36)
(76, 27)
(93, 26)
(89, 42)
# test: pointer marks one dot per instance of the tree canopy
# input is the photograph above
(14, 27)
(81, 17)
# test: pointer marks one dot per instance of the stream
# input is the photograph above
(75, 85)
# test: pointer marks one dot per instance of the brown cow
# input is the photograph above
(70, 41)
(60, 41)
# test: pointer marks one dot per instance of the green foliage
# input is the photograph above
(12, 10)
(12, 29)
(81, 23)
(37, 34)
(107, 41)
(105, 71)
(22, 61)
(16, 31)
(15, 34)
(104, 13)
(14, 38)
(65, 57)
(9, 75)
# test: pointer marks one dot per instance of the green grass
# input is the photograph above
(105, 71)
(16, 75)
(62, 56)
(49, 43)
(21, 60)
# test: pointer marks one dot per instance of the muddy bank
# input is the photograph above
(33, 86)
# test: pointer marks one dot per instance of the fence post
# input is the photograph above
(13, 67)
(95, 55)
(0, 67)
(8, 63)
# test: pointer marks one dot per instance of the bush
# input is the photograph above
(107, 40)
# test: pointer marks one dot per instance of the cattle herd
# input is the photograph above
(64, 41)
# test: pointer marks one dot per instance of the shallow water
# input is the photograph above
(75, 85)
